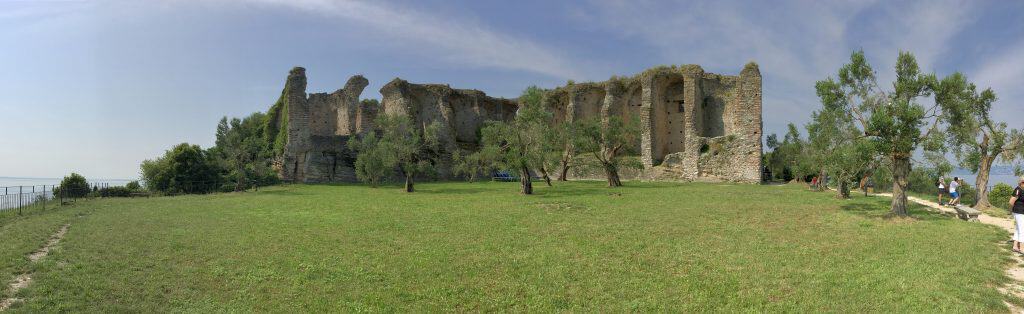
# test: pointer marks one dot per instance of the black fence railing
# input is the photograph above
(19, 199)
(26, 197)
(207, 187)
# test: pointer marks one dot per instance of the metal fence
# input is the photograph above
(29, 197)
(19, 199)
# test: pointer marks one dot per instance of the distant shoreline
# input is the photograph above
(28, 181)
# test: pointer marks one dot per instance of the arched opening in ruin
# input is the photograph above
(466, 118)
(674, 106)
(713, 122)
(588, 103)
(668, 111)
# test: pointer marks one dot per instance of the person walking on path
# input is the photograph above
(953, 193)
(1017, 207)
(942, 189)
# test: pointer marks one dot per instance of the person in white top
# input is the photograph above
(953, 192)
(942, 189)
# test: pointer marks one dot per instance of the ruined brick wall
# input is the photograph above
(318, 128)
(461, 112)
(319, 125)
(694, 126)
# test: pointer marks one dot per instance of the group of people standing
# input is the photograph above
(953, 189)
(1016, 205)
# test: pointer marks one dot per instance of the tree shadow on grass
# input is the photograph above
(879, 209)
(472, 190)
(283, 192)
(555, 192)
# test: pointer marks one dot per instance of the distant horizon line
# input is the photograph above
(45, 178)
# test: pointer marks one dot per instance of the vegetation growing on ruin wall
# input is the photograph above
(277, 123)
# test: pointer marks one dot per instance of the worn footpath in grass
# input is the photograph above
(467, 247)
(20, 235)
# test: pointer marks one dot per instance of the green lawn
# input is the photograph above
(479, 247)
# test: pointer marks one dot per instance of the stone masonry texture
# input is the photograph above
(694, 125)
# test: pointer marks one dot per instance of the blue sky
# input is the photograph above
(98, 86)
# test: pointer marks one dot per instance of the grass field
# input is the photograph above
(476, 247)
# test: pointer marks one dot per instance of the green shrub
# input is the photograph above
(134, 186)
(115, 191)
(182, 169)
(968, 194)
(1000, 195)
(73, 185)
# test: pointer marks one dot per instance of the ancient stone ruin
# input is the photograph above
(315, 145)
(695, 126)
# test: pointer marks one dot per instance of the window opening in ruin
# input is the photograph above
(714, 123)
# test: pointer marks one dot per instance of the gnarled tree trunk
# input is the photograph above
(544, 173)
(900, 172)
(409, 183)
(563, 175)
(524, 180)
(843, 189)
(984, 167)
(981, 182)
(613, 176)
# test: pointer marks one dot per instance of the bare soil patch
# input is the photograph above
(24, 280)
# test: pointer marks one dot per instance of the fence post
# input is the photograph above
(19, 199)
(44, 197)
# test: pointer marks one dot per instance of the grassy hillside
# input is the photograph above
(471, 247)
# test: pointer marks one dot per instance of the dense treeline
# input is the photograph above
(240, 159)
(895, 138)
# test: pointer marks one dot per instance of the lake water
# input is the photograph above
(999, 174)
(17, 192)
(15, 182)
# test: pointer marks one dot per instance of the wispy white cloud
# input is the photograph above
(791, 39)
(1005, 75)
(925, 28)
(795, 42)
(453, 39)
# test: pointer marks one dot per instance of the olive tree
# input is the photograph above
(519, 144)
(373, 164)
(976, 140)
(609, 141)
(411, 148)
(892, 119)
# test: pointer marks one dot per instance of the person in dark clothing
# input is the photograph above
(1017, 207)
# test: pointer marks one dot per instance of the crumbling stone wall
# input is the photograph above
(318, 126)
(461, 112)
(694, 126)
(317, 129)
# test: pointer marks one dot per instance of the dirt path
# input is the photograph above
(1015, 272)
(24, 280)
